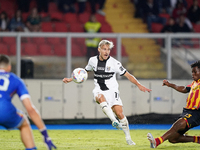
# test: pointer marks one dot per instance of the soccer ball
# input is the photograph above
(79, 75)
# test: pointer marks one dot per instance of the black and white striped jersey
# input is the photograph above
(105, 72)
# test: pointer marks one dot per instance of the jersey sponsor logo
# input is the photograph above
(105, 76)
(100, 68)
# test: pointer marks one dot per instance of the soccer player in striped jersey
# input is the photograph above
(190, 116)
(106, 92)
(10, 116)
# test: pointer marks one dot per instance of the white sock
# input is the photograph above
(108, 111)
(124, 121)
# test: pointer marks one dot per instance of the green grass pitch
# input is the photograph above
(93, 140)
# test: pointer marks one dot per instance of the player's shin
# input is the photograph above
(108, 111)
(125, 128)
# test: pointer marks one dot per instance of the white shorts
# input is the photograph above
(112, 97)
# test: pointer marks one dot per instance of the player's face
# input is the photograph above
(104, 52)
(195, 73)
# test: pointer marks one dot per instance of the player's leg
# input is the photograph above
(118, 110)
(101, 100)
(172, 134)
(27, 135)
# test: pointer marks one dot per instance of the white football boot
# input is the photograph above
(116, 124)
(129, 141)
(151, 140)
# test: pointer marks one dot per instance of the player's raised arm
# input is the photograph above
(181, 89)
(136, 82)
(67, 80)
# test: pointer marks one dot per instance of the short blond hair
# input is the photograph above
(106, 42)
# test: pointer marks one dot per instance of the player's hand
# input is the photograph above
(49, 143)
(165, 82)
(47, 140)
(67, 80)
(143, 88)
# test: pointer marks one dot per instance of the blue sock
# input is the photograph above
(34, 148)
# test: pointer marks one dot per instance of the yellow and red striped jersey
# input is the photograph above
(193, 99)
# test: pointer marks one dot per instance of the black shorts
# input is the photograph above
(192, 118)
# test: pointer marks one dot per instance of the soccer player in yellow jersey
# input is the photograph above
(190, 116)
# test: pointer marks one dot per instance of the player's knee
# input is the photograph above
(100, 98)
(24, 124)
(119, 115)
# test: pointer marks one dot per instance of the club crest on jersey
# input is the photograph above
(108, 68)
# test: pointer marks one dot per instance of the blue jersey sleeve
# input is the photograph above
(22, 91)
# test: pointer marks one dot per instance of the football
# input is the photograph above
(79, 75)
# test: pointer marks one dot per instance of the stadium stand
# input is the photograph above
(76, 27)
(12, 49)
(56, 16)
(70, 18)
(9, 40)
(60, 27)
(47, 27)
(29, 49)
(156, 27)
(4, 49)
(45, 49)
(60, 50)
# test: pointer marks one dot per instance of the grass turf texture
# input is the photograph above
(93, 140)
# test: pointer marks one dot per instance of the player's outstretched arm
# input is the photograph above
(135, 81)
(181, 89)
(67, 80)
(35, 117)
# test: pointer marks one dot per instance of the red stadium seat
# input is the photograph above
(60, 50)
(47, 27)
(156, 27)
(54, 41)
(26, 40)
(100, 18)
(165, 15)
(7, 5)
(76, 50)
(84, 17)
(53, 7)
(9, 40)
(76, 27)
(196, 28)
(4, 49)
(38, 40)
(61, 27)
(32, 5)
(70, 18)
(30, 49)
(105, 27)
(25, 16)
(12, 49)
(45, 49)
(56, 16)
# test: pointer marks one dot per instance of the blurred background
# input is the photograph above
(154, 40)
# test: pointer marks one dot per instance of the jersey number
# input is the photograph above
(5, 83)
(116, 96)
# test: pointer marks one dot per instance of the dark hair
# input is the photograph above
(195, 64)
(4, 59)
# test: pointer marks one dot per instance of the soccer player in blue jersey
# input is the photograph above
(10, 116)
